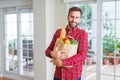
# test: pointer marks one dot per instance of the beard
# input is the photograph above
(73, 24)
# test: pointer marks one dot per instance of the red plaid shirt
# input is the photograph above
(75, 61)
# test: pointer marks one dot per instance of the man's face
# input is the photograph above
(74, 18)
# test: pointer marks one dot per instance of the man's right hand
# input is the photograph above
(55, 54)
(59, 54)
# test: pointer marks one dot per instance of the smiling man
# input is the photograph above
(75, 62)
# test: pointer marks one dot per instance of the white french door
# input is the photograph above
(18, 40)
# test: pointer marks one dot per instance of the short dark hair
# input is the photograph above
(75, 9)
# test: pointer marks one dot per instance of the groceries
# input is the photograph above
(66, 43)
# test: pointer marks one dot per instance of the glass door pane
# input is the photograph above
(11, 57)
(26, 43)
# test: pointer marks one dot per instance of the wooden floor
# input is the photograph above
(3, 78)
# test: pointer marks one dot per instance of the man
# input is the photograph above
(75, 62)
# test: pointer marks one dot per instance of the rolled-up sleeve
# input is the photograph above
(51, 46)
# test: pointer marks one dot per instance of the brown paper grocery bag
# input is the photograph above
(72, 49)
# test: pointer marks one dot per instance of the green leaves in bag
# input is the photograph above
(73, 42)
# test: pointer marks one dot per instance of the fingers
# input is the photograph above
(52, 60)
(64, 51)
(55, 54)
(59, 54)
(56, 62)
(63, 56)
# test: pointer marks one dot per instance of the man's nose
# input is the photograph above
(73, 20)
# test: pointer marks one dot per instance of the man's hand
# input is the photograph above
(57, 62)
(63, 55)
(59, 54)
(55, 54)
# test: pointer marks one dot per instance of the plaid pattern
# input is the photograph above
(75, 61)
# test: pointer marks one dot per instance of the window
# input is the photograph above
(109, 57)
(89, 23)
(18, 36)
(111, 39)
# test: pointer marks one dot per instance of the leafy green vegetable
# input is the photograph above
(74, 42)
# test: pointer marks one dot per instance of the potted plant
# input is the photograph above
(108, 44)
(10, 47)
(108, 47)
(118, 45)
(106, 60)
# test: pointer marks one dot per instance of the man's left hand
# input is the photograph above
(57, 62)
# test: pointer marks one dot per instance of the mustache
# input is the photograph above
(72, 26)
(73, 22)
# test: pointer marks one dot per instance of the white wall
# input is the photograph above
(50, 29)
(60, 13)
(44, 27)
(48, 15)
(39, 10)
(0, 42)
